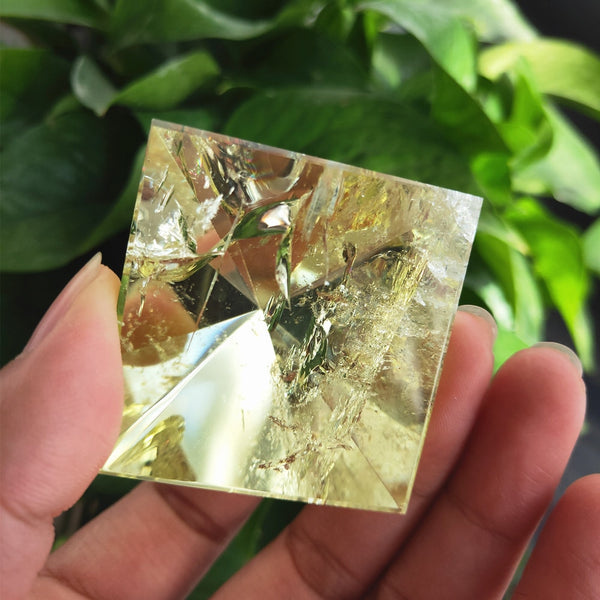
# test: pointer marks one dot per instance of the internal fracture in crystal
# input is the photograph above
(283, 321)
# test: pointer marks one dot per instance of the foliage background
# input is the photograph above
(464, 94)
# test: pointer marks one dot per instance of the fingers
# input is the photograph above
(152, 548)
(473, 536)
(566, 560)
(154, 543)
(338, 553)
(60, 414)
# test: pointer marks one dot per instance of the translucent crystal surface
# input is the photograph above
(284, 321)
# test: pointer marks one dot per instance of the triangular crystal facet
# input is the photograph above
(284, 320)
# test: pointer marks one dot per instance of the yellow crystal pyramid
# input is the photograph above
(284, 321)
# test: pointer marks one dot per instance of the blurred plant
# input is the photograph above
(462, 94)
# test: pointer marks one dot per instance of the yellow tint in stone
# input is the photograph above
(284, 321)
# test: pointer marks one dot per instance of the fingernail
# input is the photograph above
(566, 351)
(63, 301)
(477, 311)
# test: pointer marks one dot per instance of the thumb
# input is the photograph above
(60, 409)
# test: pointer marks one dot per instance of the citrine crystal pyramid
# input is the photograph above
(284, 321)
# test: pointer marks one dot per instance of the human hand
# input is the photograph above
(493, 457)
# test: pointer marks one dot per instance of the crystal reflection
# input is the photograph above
(284, 321)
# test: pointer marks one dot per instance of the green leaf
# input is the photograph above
(90, 86)
(30, 80)
(64, 105)
(492, 174)
(170, 84)
(506, 344)
(512, 271)
(161, 89)
(22, 68)
(492, 21)
(257, 9)
(363, 35)
(463, 118)
(119, 216)
(591, 247)
(296, 13)
(107, 485)
(450, 43)
(336, 20)
(353, 128)
(558, 259)
(562, 69)
(570, 171)
(75, 12)
(303, 57)
(51, 197)
(487, 288)
(397, 59)
(527, 131)
(497, 227)
(173, 20)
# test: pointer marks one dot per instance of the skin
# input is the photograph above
(493, 457)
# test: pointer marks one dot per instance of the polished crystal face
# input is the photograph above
(284, 321)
